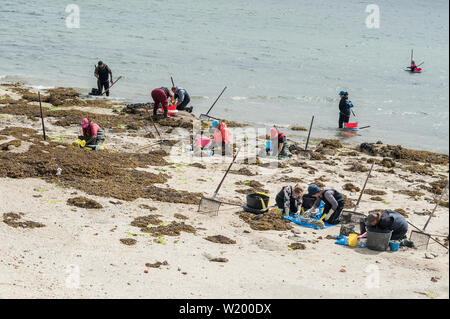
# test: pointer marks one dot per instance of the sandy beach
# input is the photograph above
(50, 248)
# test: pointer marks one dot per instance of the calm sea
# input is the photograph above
(282, 61)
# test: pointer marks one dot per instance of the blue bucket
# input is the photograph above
(394, 245)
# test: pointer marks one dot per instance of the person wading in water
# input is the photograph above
(101, 73)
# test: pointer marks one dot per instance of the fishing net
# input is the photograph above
(352, 222)
(209, 206)
(419, 239)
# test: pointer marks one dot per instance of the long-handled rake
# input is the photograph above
(212, 205)
(305, 152)
(364, 188)
(353, 217)
(160, 139)
(117, 80)
(42, 116)
(206, 117)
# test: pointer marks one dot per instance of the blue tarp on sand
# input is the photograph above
(309, 225)
(298, 222)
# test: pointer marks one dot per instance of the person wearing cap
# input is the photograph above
(344, 109)
(92, 133)
(388, 221)
(213, 126)
(333, 201)
(289, 198)
(101, 73)
(160, 98)
(183, 99)
(221, 138)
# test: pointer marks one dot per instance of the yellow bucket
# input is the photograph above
(353, 240)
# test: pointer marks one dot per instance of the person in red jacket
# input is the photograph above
(221, 139)
(160, 98)
(278, 143)
(92, 133)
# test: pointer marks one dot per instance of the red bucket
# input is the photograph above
(351, 125)
(171, 110)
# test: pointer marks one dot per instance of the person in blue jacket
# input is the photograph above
(344, 108)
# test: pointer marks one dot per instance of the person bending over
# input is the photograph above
(93, 134)
(159, 97)
(221, 139)
(387, 221)
(183, 99)
(333, 201)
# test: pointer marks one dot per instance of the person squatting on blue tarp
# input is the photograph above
(333, 201)
(289, 198)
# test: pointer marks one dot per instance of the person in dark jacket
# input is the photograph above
(101, 73)
(168, 93)
(289, 198)
(333, 201)
(183, 99)
(388, 221)
(344, 109)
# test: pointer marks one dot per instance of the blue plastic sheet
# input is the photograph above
(343, 240)
(297, 221)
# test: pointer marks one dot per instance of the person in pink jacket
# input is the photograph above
(221, 139)
(92, 132)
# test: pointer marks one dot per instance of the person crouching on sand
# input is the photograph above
(289, 199)
(278, 143)
(92, 133)
(388, 221)
(333, 201)
(221, 139)
(183, 99)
